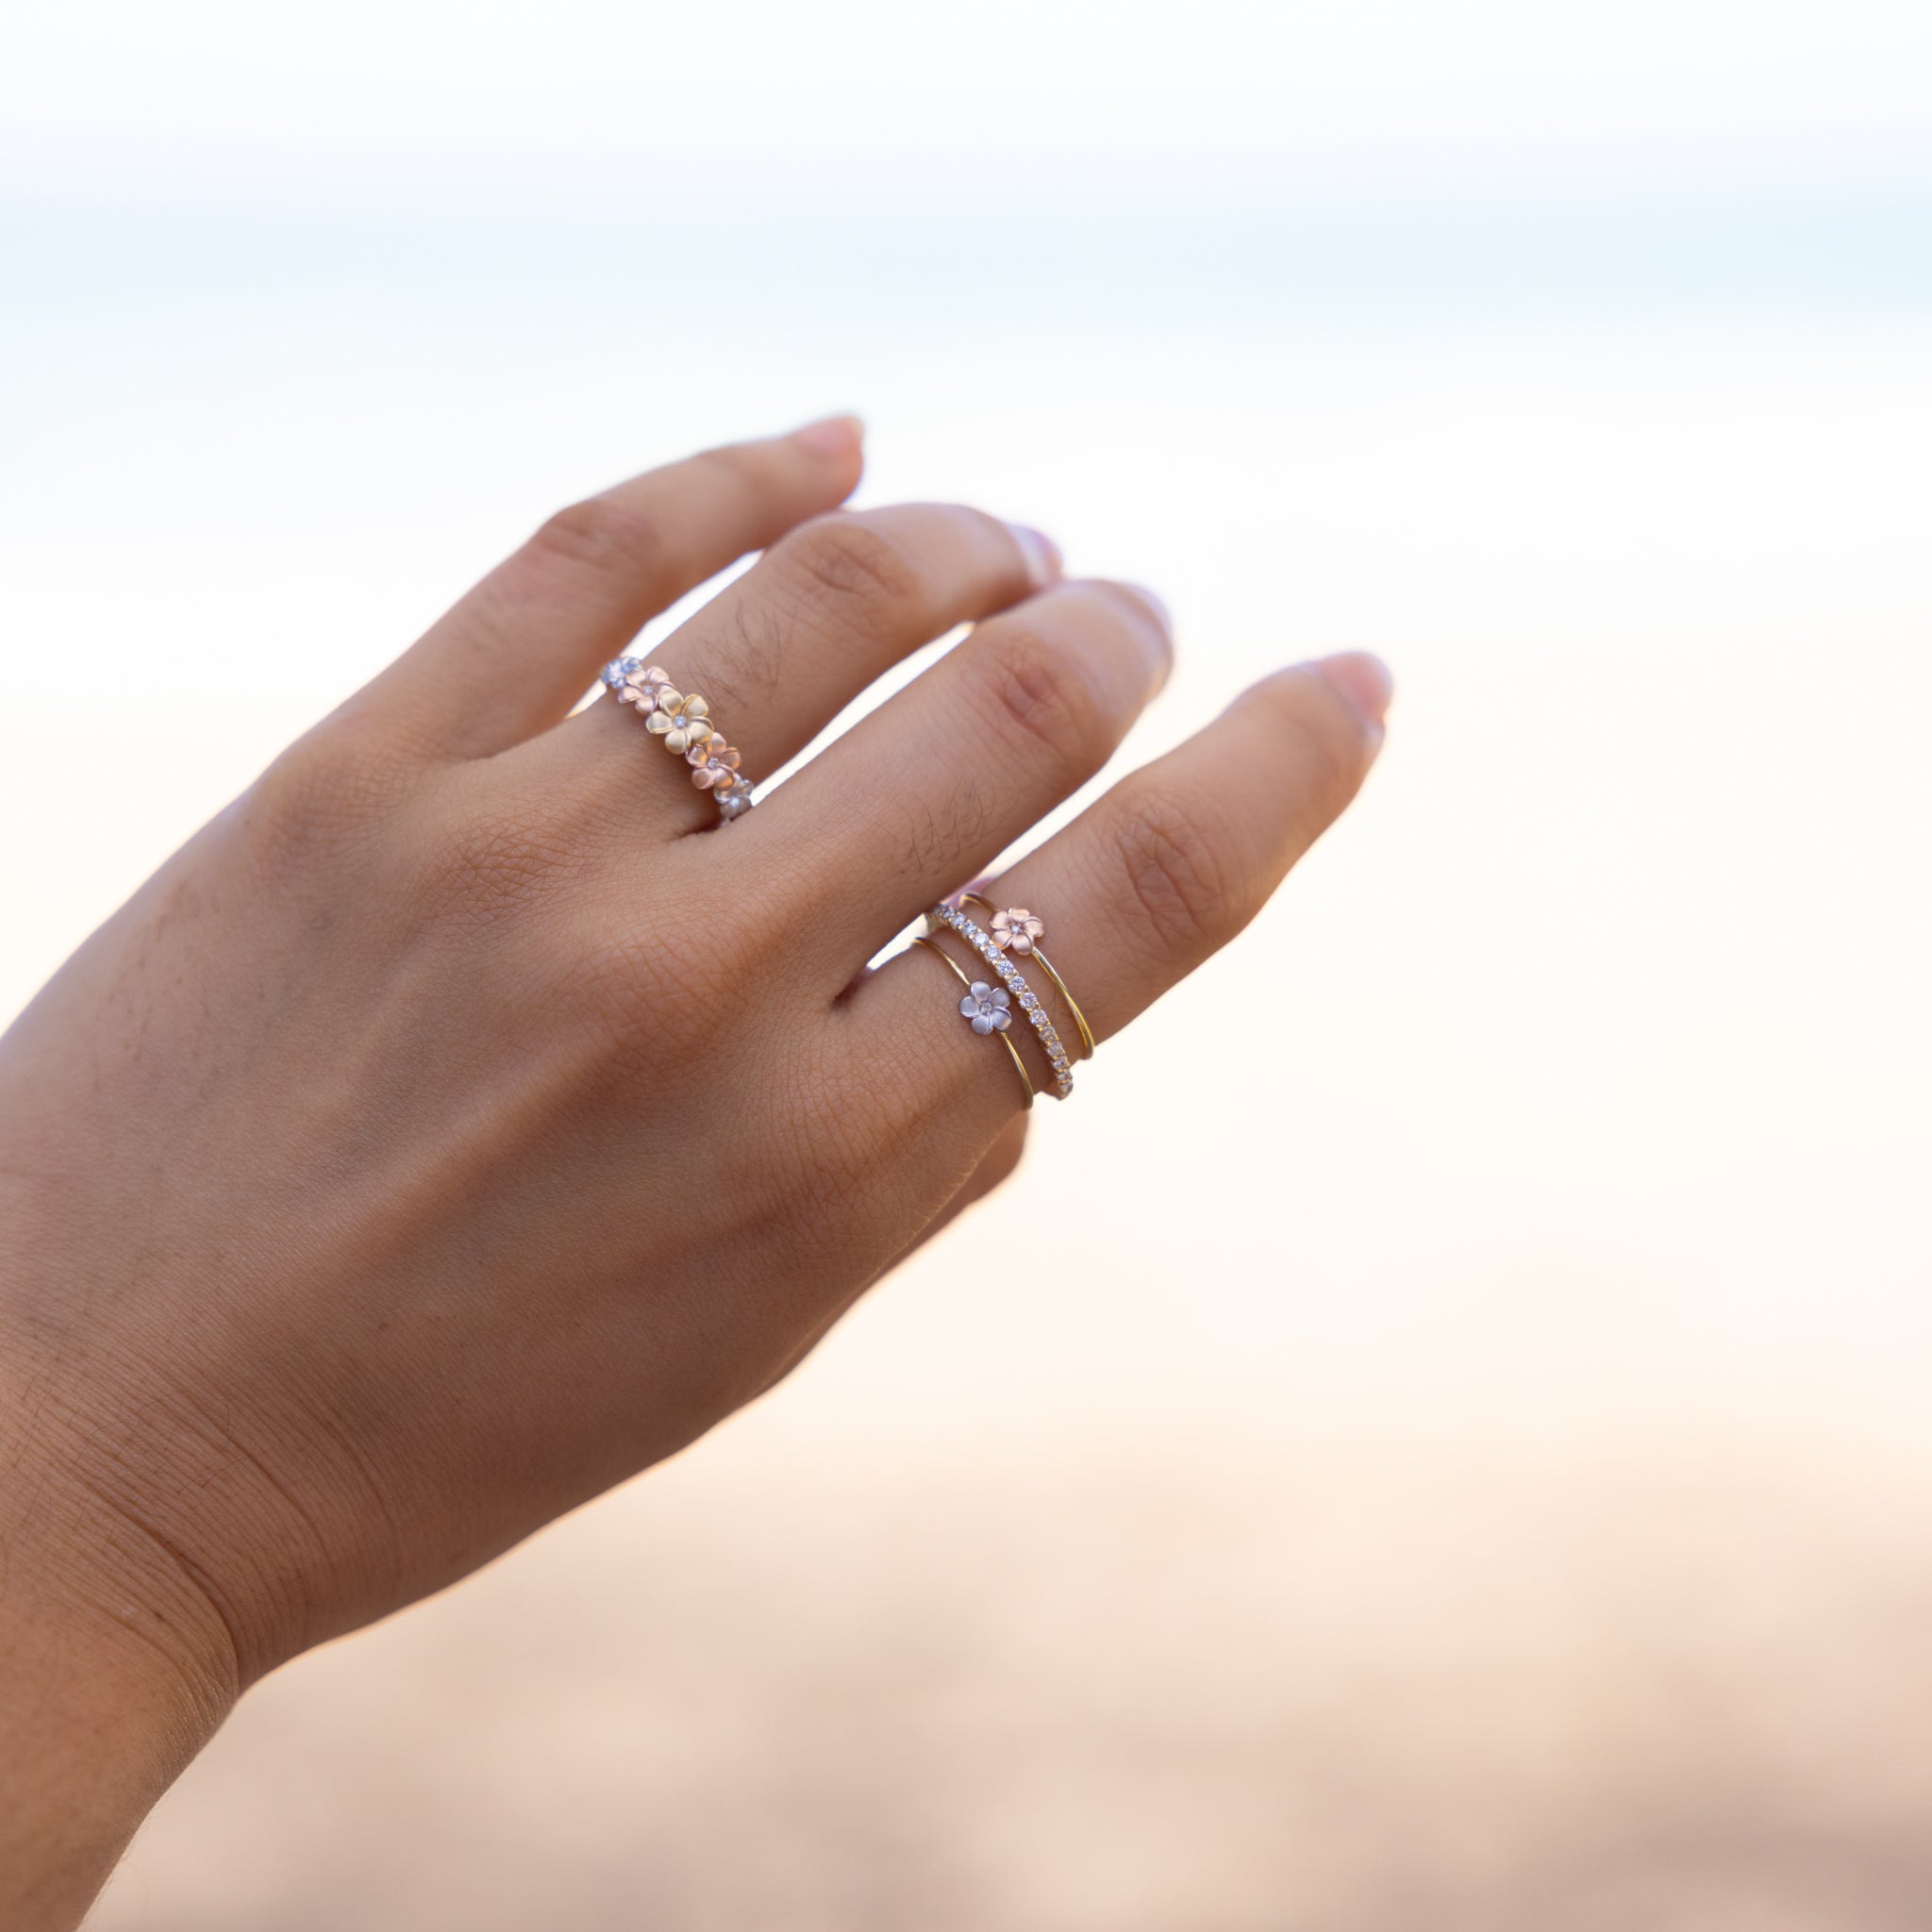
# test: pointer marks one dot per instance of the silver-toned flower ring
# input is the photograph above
(988, 1007)
(683, 721)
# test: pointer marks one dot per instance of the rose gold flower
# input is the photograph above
(1016, 929)
(646, 687)
(679, 721)
(714, 762)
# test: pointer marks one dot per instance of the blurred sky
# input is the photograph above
(1036, 101)
(1579, 315)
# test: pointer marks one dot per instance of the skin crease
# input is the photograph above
(464, 1121)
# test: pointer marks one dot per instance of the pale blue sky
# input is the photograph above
(1550, 328)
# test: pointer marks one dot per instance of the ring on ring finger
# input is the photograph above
(1012, 987)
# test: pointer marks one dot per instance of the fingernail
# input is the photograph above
(1155, 602)
(1042, 553)
(831, 436)
(1361, 680)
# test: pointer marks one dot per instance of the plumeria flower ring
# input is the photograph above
(713, 762)
(679, 721)
(1017, 930)
(734, 800)
(641, 685)
(987, 1006)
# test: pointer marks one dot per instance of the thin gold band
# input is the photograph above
(953, 967)
(1046, 966)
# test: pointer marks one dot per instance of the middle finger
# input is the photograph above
(932, 786)
(778, 653)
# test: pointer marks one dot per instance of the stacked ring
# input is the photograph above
(1018, 930)
(988, 1007)
(1012, 988)
(685, 724)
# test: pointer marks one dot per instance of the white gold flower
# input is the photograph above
(987, 1008)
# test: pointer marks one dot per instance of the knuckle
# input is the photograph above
(1041, 699)
(296, 795)
(1177, 881)
(850, 560)
(602, 537)
(318, 797)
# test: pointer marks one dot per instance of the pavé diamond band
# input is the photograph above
(1008, 990)
(1019, 931)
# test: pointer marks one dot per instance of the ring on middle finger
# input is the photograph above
(684, 723)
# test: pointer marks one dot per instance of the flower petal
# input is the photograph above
(998, 994)
(1000, 1022)
(694, 707)
(658, 724)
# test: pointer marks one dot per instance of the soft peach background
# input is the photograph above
(1458, 1455)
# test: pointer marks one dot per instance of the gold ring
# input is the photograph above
(988, 1007)
(1015, 988)
(1022, 931)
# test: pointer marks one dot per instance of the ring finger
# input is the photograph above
(1158, 874)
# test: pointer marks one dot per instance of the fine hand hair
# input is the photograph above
(466, 1118)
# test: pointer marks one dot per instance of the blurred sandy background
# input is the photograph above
(1462, 1459)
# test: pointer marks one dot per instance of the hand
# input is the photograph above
(465, 1120)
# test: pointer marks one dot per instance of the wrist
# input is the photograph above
(112, 1679)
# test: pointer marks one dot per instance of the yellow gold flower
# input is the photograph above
(679, 721)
